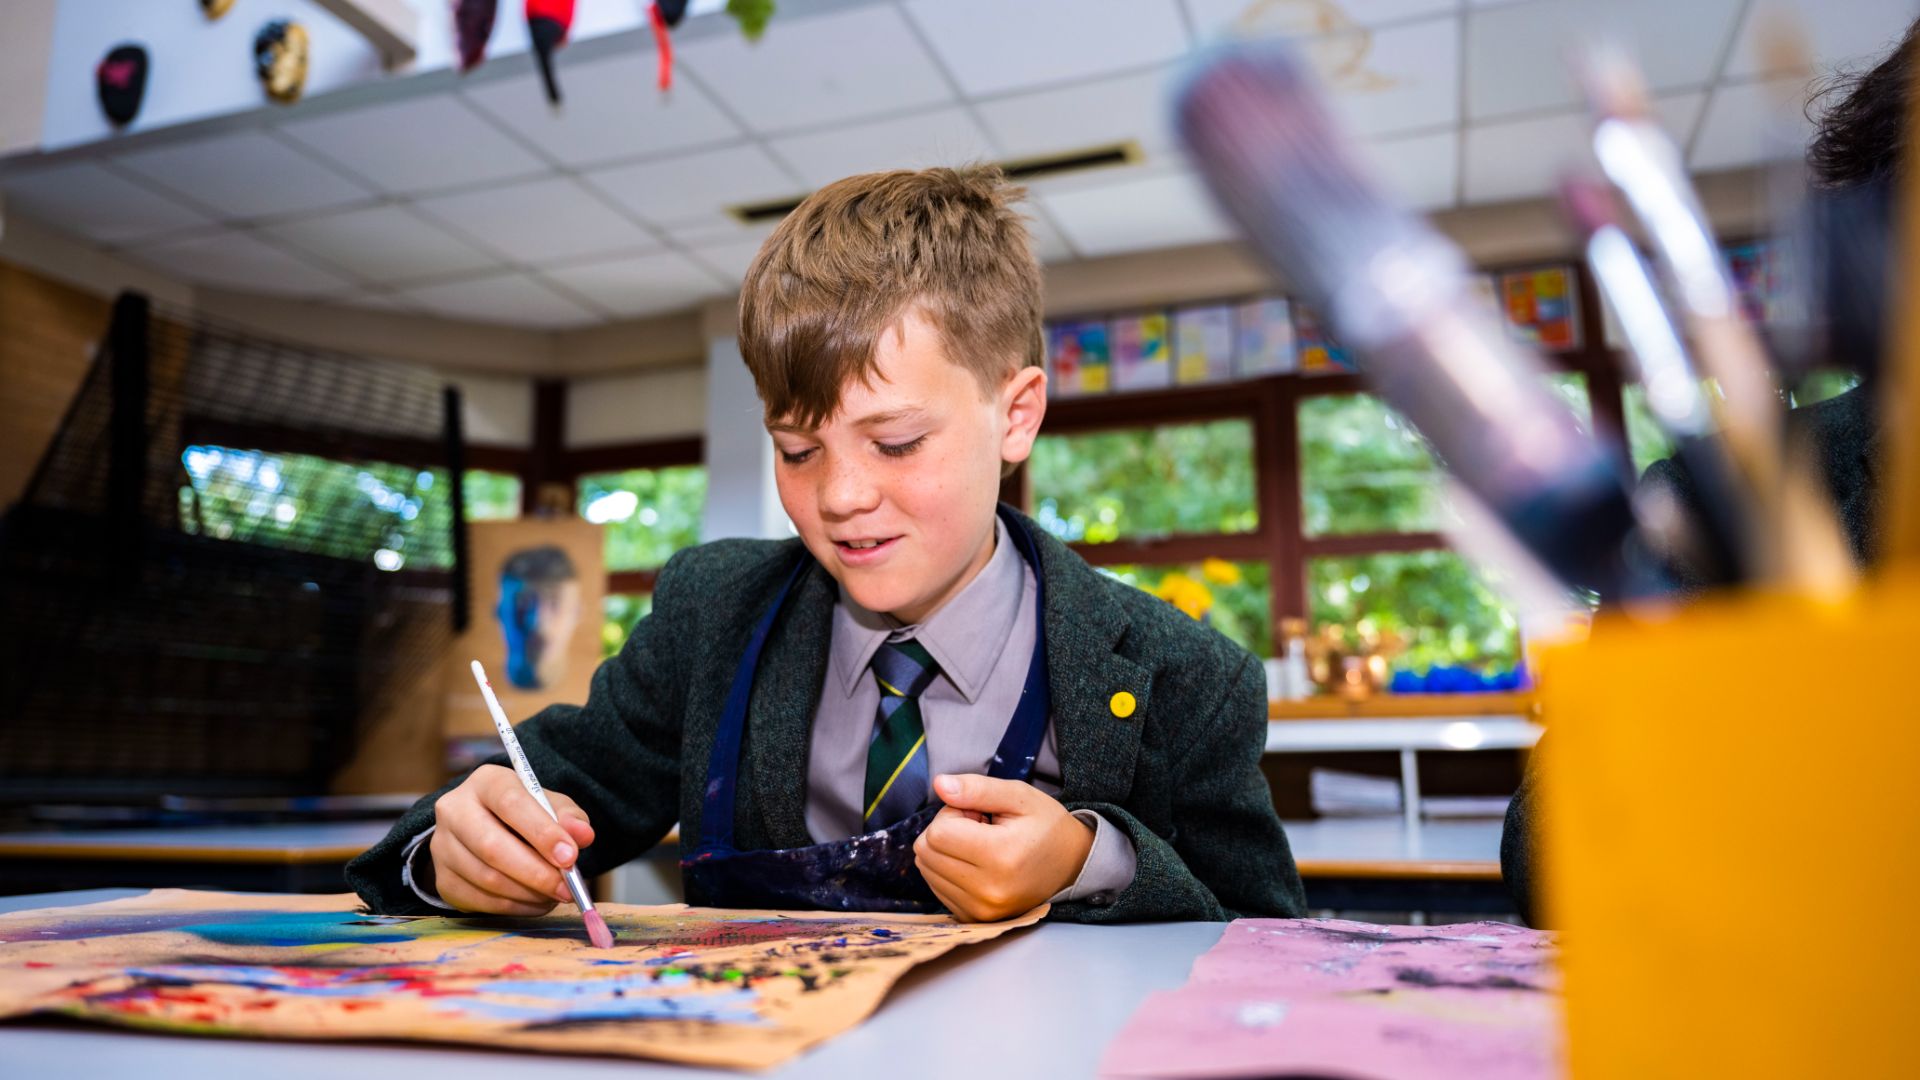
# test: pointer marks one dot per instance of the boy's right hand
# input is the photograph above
(495, 850)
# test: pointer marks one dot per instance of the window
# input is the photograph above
(491, 496)
(1133, 483)
(397, 515)
(649, 513)
(621, 612)
(1432, 601)
(1364, 469)
(1234, 598)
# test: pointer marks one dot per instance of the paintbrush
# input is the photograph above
(1398, 294)
(1720, 544)
(1799, 542)
(597, 931)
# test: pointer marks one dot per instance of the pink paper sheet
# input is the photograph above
(1325, 997)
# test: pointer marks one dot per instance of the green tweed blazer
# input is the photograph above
(1180, 776)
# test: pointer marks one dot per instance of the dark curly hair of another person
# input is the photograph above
(1862, 135)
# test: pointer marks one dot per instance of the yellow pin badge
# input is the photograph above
(1122, 704)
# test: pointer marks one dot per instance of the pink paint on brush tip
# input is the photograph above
(597, 931)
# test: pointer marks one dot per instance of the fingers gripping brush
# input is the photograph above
(1398, 294)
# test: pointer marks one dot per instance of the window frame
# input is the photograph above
(1272, 404)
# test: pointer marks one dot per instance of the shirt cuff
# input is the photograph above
(412, 880)
(1109, 868)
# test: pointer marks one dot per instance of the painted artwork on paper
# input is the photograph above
(698, 985)
(1326, 997)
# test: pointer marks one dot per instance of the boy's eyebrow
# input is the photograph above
(871, 420)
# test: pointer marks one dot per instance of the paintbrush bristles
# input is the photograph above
(597, 931)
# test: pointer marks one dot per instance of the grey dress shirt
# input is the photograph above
(983, 640)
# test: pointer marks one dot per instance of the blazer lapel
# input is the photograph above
(1097, 747)
(780, 719)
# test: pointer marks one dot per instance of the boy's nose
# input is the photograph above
(847, 490)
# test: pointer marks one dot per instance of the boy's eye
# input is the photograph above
(795, 457)
(901, 449)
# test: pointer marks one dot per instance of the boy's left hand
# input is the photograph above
(999, 847)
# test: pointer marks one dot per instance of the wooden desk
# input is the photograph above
(274, 858)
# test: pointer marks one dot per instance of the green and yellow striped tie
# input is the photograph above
(897, 777)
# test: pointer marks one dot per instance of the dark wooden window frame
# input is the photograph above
(1272, 405)
(651, 454)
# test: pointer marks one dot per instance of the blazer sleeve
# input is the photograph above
(1226, 856)
(618, 756)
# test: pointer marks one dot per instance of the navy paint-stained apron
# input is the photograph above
(871, 872)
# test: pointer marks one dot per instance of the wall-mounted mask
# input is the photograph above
(122, 81)
(280, 59)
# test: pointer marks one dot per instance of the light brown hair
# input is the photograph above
(856, 256)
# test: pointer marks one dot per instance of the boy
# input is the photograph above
(828, 717)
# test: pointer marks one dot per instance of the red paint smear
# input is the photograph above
(261, 1004)
(38, 964)
(356, 1006)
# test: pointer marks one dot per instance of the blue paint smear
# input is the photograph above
(294, 928)
(261, 978)
(612, 963)
(721, 1006)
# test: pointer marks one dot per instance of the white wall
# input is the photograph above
(667, 403)
(495, 410)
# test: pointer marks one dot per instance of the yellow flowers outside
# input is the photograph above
(1188, 595)
(1220, 571)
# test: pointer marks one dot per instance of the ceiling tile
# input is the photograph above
(646, 285)
(1838, 32)
(1155, 211)
(538, 221)
(711, 233)
(1522, 159)
(512, 299)
(819, 69)
(424, 144)
(1049, 245)
(384, 244)
(1213, 18)
(247, 174)
(941, 137)
(1519, 56)
(695, 188)
(1751, 123)
(994, 46)
(94, 202)
(1087, 114)
(1418, 171)
(239, 261)
(1402, 78)
(730, 261)
(614, 109)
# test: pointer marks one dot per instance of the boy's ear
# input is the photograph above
(1024, 400)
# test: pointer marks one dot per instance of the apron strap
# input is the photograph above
(723, 767)
(1027, 731)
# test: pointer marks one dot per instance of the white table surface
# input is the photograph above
(1388, 839)
(1403, 733)
(1040, 1002)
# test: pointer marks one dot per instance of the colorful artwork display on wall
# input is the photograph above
(1325, 997)
(1142, 351)
(1318, 353)
(1760, 278)
(1541, 308)
(1265, 347)
(1078, 358)
(1204, 351)
(743, 989)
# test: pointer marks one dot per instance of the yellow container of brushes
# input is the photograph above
(1732, 838)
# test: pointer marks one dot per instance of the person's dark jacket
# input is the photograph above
(1180, 774)
(1843, 433)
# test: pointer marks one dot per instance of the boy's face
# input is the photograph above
(895, 493)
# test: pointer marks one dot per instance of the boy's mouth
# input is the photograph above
(863, 550)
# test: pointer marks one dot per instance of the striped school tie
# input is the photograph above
(897, 775)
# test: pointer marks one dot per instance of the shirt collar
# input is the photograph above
(965, 636)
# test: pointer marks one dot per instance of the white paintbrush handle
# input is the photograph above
(576, 883)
